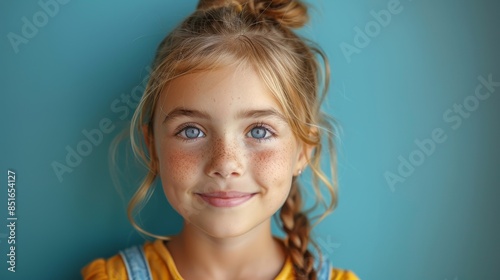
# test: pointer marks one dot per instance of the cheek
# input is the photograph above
(273, 167)
(177, 167)
(176, 173)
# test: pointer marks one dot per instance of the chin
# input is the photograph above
(224, 228)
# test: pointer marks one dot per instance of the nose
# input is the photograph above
(225, 159)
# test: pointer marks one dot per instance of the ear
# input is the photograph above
(305, 154)
(149, 140)
(303, 158)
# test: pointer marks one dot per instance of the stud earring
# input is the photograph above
(300, 171)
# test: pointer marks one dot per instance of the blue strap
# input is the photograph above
(136, 263)
(325, 270)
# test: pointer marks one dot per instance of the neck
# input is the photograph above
(199, 254)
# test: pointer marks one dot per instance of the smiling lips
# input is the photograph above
(226, 199)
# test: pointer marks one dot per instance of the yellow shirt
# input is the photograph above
(162, 266)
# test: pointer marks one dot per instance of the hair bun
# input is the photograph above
(207, 4)
(288, 13)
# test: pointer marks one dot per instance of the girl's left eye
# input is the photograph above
(259, 133)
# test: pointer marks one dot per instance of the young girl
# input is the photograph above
(230, 118)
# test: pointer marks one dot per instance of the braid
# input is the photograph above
(296, 226)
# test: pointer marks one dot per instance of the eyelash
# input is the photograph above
(183, 128)
(257, 125)
(267, 128)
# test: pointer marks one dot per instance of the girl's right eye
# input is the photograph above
(191, 132)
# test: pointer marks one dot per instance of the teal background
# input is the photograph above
(441, 222)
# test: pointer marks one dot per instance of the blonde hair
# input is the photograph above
(258, 32)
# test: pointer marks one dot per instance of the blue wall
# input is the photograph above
(418, 177)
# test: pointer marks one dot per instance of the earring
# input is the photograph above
(300, 171)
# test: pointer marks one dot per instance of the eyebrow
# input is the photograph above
(244, 114)
(181, 111)
(252, 114)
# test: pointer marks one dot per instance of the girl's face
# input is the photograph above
(226, 155)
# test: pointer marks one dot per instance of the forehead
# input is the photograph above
(220, 92)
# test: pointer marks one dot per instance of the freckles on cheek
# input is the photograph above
(272, 167)
(178, 166)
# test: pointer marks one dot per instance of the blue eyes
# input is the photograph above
(191, 132)
(258, 132)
